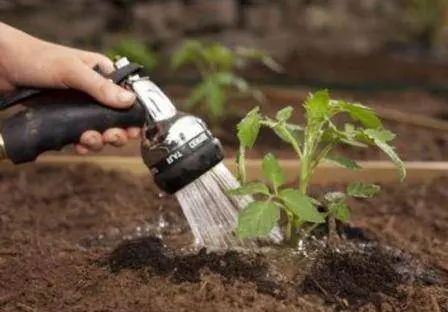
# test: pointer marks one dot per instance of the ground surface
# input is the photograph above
(79, 239)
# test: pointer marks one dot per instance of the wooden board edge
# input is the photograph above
(373, 171)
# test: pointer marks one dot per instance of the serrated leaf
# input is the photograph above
(334, 197)
(301, 206)
(257, 219)
(250, 189)
(288, 132)
(272, 170)
(385, 135)
(333, 134)
(342, 161)
(341, 211)
(378, 139)
(249, 127)
(317, 105)
(362, 190)
(284, 114)
(363, 114)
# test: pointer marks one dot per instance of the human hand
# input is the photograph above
(28, 61)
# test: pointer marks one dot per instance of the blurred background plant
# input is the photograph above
(136, 51)
(217, 66)
(428, 21)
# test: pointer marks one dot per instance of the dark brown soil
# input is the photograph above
(80, 239)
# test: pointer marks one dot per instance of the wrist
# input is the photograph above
(3, 46)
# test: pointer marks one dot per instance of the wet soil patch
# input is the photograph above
(353, 277)
(154, 257)
(80, 239)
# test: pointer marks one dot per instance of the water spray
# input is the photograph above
(182, 154)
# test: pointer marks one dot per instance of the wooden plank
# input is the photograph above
(373, 171)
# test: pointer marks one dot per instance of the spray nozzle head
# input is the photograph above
(180, 150)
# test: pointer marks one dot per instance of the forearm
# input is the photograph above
(11, 53)
(5, 85)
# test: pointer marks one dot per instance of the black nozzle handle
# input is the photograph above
(56, 119)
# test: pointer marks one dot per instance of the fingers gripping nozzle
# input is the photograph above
(178, 148)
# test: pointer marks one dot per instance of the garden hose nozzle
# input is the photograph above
(176, 147)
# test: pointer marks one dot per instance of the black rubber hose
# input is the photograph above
(58, 118)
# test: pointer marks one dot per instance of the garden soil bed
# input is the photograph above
(81, 239)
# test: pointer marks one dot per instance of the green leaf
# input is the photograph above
(385, 135)
(288, 132)
(333, 197)
(317, 105)
(216, 99)
(197, 95)
(301, 206)
(362, 190)
(251, 189)
(224, 78)
(187, 53)
(257, 219)
(249, 127)
(272, 170)
(259, 55)
(378, 138)
(341, 211)
(348, 136)
(343, 162)
(137, 52)
(364, 114)
(220, 56)
(285, 113)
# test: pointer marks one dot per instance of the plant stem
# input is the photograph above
(322, 154)
(241, 164)
(333, 236)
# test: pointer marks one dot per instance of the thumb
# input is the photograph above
(81, 77)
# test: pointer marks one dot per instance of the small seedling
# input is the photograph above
(217, 66)
(312, 144)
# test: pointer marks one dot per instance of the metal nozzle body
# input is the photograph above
(176, 147)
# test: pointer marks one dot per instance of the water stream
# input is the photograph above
(211, 213)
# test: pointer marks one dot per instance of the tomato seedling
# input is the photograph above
(312, 143)
(217, 66)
